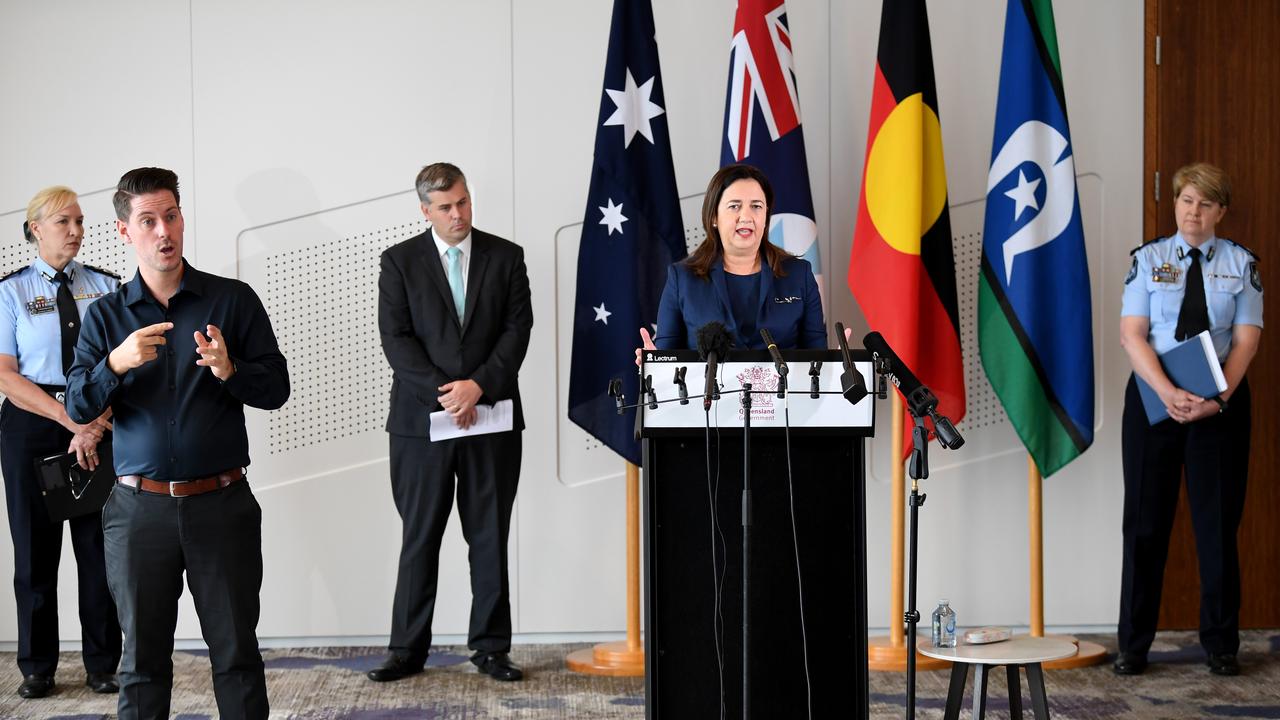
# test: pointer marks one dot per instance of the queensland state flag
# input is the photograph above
(631, 233)
(1034, 315)
(901, 270)
(762, 123)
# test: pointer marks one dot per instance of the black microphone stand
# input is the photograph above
(918, 470)
(746, 550)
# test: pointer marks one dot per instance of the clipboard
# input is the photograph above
(71, 491)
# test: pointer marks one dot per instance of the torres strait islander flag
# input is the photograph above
(762, 123)
(901, 270)
(1034, 310)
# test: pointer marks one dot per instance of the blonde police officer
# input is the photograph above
(40, 310)
(1176, 288)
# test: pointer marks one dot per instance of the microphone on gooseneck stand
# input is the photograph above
(713, 341)
(779, 364)
(920, 399)
(851, 383)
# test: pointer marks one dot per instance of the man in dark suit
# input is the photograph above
(455, 318)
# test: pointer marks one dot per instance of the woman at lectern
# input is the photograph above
(738, 278)
(40, 310)
(1177, 288)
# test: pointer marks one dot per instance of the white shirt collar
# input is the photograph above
(442, 247)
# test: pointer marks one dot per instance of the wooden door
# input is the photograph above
(1212, 94)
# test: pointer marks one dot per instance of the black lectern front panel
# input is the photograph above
(693, 600)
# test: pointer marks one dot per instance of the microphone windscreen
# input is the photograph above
(713, 337)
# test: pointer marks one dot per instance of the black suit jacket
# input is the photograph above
(425, 344)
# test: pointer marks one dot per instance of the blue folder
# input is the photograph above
(1191, 365)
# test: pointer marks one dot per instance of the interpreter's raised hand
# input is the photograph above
(213, 353)
(141, 347)
(646, 343)
(459, 398)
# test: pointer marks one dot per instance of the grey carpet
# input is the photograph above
(329, 684)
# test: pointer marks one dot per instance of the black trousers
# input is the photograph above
(216, 539)
(1214, 452)
(37, 548)
(487, 468)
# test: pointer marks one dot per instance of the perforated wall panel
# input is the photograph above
(318, 277)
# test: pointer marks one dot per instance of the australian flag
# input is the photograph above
(631, 233)
(762, 123)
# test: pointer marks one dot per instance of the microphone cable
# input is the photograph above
(795, 544)
(717, 573)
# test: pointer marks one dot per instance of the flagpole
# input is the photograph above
(890, 653)
(624, 658)
(1088, 653)
(1035, 526)
(897, 511)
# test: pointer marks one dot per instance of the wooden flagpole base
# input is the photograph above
(884, 656)
(613, 658)
(624, 658)
(1090, 654)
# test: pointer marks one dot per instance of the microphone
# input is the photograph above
(713, 341)
(920, 399)
(778, 363)
(851, 384)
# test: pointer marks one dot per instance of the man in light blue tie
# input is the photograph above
(455, 317)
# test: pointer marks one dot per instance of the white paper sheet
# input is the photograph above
(499, 417)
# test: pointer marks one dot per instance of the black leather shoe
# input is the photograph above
(36, 686)
(1129, 664)
(1224, 664)
(396, 667)
(498, 666)
(102, 683)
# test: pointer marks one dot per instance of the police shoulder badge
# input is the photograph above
(1254, 278)
(1133, 272)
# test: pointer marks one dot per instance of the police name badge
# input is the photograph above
(1166, 273)
(42, 305)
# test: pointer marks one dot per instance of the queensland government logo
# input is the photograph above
(764, 392)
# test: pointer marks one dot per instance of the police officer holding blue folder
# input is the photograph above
(40, 310)
(1178, 287)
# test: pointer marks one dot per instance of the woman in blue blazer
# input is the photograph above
(737, 277)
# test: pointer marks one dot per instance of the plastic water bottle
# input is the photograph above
(944, 625)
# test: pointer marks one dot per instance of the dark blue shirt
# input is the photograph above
(744, 300)
(173, 419)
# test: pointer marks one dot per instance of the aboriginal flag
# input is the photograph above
(902, 271)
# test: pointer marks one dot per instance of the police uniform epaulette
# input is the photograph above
(14, 272)
(1252, 254)
(1152, 240)
(100, 271)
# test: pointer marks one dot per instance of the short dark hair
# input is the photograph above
(143, 181)
(707, 253)
(437, 176)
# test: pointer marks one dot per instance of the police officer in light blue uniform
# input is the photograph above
(40, 310)
(1178, 287)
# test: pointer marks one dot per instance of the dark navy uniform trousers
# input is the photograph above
(37, 548)
(1215, 455)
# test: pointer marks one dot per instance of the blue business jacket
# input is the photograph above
(790, 308)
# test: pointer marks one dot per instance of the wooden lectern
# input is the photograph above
(693, 471)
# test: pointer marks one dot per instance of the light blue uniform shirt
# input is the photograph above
(29, 328)
(1157, 281)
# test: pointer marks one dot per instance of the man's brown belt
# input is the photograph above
(183, 488)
